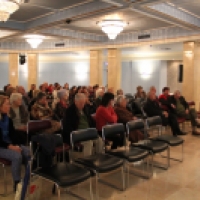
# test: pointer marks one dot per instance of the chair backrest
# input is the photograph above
(154, 121)
(112, 130)
(38, 125)
(135, 125)
(83, 135)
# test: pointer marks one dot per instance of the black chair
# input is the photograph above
(130, 155)
(171, 140)
(152, 146)
(62, 175)
(97, 163)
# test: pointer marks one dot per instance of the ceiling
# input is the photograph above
(74, 23)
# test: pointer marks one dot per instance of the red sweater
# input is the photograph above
(104, 116)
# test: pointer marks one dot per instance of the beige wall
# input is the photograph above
(32, 69)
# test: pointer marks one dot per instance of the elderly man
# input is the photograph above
(99, 95)
(76, 117)
(152, 108)
(125, 116)
(25, 98)
(182, 110)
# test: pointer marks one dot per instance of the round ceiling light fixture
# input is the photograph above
(34, 40)
(112, 27)
(7, 7)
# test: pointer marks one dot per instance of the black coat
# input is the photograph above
(16, 137)
(71, 122)
(152, 108)
(182, 101)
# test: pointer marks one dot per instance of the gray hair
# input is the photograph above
(79, 96)
(119, 99)
(177, 92)
(98, 92)
(15, 97)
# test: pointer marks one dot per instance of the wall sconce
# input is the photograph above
(145, 75)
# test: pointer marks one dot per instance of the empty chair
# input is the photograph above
(63, 175)
(97, 163)
(150, 145)
(171, 140)
(130, 155)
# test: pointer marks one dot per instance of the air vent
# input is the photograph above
(59, 44)
(142, 37)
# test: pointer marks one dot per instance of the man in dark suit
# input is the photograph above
(182, 110)
(152, 108)
(30, 93)
(76, 117)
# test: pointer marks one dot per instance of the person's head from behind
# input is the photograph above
(177, 94)
(62, 95)
(111, 90)
(99, 93)
(4, 105)
(79, 89)
(66, 86)
(41, 98)
(121, 101)
(21, 90)
(80, 101)
(120, 92)
(108, 100)
(16, 99)
(166, 91)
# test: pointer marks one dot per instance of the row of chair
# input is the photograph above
(64, 175)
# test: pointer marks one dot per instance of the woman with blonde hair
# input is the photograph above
(10, 147)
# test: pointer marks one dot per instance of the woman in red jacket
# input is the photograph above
(105, 114)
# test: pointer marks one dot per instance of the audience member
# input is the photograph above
(30, 93)
(120, 92)
(99, 95)
(105, 114)
(10, 147)
(62, 104)
(40, 111)
(66, 86)
(76, 117)
(25, 99)
(125, 116)
(140, 93)
(152, 108)
(182, 110)
(10, 90)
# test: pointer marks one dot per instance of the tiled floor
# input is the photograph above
(180, 182)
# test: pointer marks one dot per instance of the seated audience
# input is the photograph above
(25, 98)
(125, 116)
(41, 110)
(182, 110)
(99, 95)
(30, 93)
(66, 86)
(10, 146)
(152, 108)
(140, 93)
(76, 117)
(18, 112)
(165, 100)
(105, 114)
(10, 90)
(62, 104)
(120, 92)
(72, 94)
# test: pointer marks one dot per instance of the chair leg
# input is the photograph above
(91, 191)
(97, 186)
(123, 181)
(5, 180)
(58, 190)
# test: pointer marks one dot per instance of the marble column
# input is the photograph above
(191, 72)
(96, 65)
(114, 69)
(32, 69)
(13, 69)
